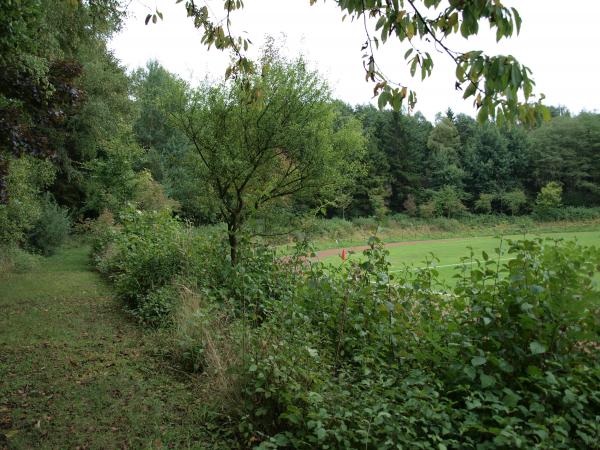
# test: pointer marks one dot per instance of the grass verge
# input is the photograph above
(76, 372)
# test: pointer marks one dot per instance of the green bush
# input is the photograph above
(427, 210)
(548, 201)
(304, 355)
(27, 177)
(102, 233)
(146, 252)
(143, 255)
(410, 205)
(514, 201)
(156, 308)
(568, 213)
(151, 252)
(447, 201)
(334, 228)
(362, 360)
(484, 203)
(51, 229)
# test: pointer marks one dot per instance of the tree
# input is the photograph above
(566, 150)
(514, 200)
(157, 92)
(269, 140)
(449, 201)
(484, 203)
(500, 86)
(549, 197)
(444, 164)
(50, 52)
(488, 161)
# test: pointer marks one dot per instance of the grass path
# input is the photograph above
(77, 373)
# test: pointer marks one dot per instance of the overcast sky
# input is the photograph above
(559, 42)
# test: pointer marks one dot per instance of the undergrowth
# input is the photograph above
(303, 355)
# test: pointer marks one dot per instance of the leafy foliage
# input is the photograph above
(403, 362)
(280, 149)
(514, 201)
(549, 199)
(306, 355)
(25, 181)
(445, 202)
(147, 255)
(52, 227)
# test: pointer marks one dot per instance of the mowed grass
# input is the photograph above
(77, 372)
(450, 251)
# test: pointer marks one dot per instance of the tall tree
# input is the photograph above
(269, 140)
(444, 165)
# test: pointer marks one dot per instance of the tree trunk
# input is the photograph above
(232, 230)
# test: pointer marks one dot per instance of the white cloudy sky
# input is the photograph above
(559, 42)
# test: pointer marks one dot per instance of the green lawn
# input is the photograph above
(451, 251)
(76, 372)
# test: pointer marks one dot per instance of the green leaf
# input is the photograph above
(470, 90)
(486, 380)
(536, 348)
(321, 433)
(460, 72)
(478, 361)
(312, 352)
(383, 99)
(518, 20)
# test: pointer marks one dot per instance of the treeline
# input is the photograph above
(411, 165)
(457, 164)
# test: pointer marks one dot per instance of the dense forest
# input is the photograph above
(136, 207)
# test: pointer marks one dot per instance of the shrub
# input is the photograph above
(410, 205)
(51, 229)
(27, 177)
(356, 361)
(151, 250)
(150, 195)
(573, 213)
(427, 210)
(445, 202)
(102, 232)
(144, 255)
(514, 201)
(484, 203)
(548, 200)
(156, 308)
(303, 355)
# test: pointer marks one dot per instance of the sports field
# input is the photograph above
(450, 251)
